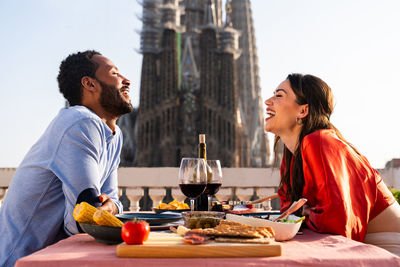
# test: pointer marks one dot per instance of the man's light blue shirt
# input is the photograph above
(76, 152)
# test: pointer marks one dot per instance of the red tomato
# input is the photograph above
(135, 232)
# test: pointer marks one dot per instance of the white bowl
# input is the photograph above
(283, 231)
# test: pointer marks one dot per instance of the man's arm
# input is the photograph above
(77, 165)
(110, 189)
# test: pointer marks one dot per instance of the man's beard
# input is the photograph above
(112, 101)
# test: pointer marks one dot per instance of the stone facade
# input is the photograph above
(192, 62)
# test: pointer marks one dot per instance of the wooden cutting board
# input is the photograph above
(173, 247)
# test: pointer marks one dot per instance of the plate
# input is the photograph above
(103, 234)
(263, 214)
(150, 218)
(159, 211)
(164, 226)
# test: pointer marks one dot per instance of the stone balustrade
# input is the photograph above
(3, 191)
(161, 185)
(144, 188)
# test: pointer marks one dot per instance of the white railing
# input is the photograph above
(140, 185)
(6, 174)
(160, 183)
(237, 183)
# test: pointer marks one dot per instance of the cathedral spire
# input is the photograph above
(209, 14)
(199, 75)
(228, 14)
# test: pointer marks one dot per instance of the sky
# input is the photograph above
(353, 45)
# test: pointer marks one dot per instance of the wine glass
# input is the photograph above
(214, 179)
(192, 178)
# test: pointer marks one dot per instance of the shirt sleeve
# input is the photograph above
(331, 187)
(110, 187)
(76, 164)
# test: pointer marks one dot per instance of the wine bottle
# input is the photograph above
(202, 147)
(202, 200)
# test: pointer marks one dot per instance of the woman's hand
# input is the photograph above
(307, 210)
(107, 204)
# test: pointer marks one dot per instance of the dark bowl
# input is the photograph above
(202, 219)
(103, 234)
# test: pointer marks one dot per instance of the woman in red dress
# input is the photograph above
(345, 194)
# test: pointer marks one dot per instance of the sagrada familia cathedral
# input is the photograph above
(199, 75)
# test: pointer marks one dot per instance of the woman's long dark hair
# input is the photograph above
(317, 94)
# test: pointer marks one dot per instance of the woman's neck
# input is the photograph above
(291, 139)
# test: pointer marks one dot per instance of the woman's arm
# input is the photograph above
(333, 187)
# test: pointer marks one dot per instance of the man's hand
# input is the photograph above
(107, 204)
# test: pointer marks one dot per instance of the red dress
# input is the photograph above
(343, 187)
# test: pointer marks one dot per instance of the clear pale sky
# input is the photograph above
(353, 45)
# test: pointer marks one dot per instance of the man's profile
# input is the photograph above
(75, 160)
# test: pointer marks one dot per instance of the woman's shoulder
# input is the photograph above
(322, 138)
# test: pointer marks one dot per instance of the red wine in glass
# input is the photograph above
(212, 189)
(214, 180)
(192, 190)
(192, 178)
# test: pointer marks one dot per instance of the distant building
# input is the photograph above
(199, 75)
(394, 163)
(250, 100)
(128, 126)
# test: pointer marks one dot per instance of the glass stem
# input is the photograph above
(209, 203)
(192, 204)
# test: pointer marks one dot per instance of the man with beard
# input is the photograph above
(75, 160)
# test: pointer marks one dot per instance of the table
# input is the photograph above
(309, 249)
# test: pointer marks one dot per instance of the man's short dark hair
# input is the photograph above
(72, 69)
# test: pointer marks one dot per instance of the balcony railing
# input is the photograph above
(144, 188)
(147, 187)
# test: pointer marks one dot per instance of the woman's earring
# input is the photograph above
(299, 121)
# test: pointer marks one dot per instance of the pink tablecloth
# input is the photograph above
(309, 249)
